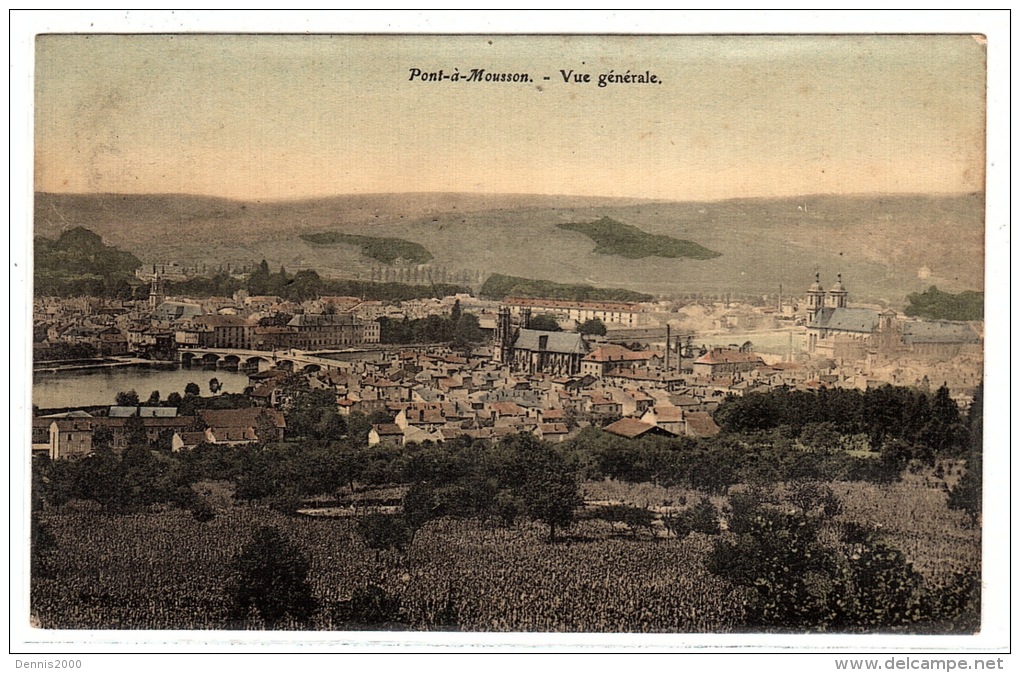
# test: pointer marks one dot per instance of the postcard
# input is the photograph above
(345, 338)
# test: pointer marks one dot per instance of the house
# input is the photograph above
(632, 428)
(243, 426)
(720, 361)
(700, 424)
(670, 419)
(385, 433)
(227, 331)
(185, 441)
(74, 435)
(552, 432)
(625, 314)
(612, 356)
(602, 405)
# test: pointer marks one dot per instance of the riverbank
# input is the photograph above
(57, 366)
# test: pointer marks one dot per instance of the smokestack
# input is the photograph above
(667, 347)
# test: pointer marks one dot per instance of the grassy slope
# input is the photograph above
(385, 250)
(879, 243)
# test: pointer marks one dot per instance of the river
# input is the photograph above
(98, 387)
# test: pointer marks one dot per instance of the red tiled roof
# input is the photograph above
(701, 424)
(667, 414)
(629, 428)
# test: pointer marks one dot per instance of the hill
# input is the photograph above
(886, 246)
(79, 263)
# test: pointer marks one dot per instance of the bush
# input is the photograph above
(270, 581)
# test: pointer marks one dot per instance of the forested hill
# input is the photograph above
(79, 263)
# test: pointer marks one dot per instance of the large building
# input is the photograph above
(842, 333)
(536, 351)
(318, 331)
(611, 313)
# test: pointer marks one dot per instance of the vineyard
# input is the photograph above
(163, 569)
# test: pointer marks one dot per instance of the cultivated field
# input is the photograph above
(164, 570)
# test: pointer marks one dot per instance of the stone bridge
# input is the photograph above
(256, 361)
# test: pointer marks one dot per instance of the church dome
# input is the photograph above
(838, 287)
(816, 286)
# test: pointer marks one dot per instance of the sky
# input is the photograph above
(292, 116)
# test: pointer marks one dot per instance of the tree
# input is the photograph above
(945, 432)
(153, 400)
(703, 518)
(192, 389)
(467, 330)
(553, 500)
(776, 554)
(214, 385)
(545, 323)
(44, 548)
(966, 495)
(127, 398)
(137, 435)
(593, 327)
(313, 413)
(885, 591)
(270, 581)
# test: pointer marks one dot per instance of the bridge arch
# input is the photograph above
(230, 361)
(210, 359)
(311, 368)
(258, 363)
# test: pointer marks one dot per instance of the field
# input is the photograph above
(164, 570)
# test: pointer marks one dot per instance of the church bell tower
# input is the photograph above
(815, 299)
(837, 295)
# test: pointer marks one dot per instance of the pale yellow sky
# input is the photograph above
(266, 117)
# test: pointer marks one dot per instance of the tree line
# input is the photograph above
(459, 327)
(305, 285)
(935, 304)
(931, 424)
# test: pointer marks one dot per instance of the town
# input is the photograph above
(487, 369)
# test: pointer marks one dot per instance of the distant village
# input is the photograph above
(541, 366)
